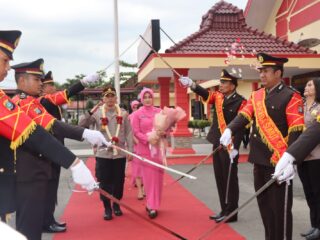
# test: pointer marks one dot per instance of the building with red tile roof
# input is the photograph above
(203, 54)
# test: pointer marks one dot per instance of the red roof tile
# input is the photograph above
(222, 25)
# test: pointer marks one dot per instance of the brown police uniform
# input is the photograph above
(281, 103)
(231, 105)
(110, 166)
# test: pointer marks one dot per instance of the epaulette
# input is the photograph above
(243, 98)
(294, 89)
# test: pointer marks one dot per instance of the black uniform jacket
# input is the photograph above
(40, 142)
(230, 107)
(276, 102)
(307, 141)
(38, 166)
(55, 111)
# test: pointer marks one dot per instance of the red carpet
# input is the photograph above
(180, 212)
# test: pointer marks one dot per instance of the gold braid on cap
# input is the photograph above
(109, 90)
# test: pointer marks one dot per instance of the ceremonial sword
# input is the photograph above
(153, 163)
(162, 59)
(110, 197)
(229, 174)
(199, 163)
(257, 193)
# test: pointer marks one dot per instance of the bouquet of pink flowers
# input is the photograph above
(163, 123)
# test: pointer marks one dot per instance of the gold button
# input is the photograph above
(255, 135)
(1, 169)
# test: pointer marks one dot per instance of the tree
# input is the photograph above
(89, 104)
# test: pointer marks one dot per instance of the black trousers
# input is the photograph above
(30, 208)
(110, 173)
(221, 163)
(271, 204)
(309, 175)
(51, 201)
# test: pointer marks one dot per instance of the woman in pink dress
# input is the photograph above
(136, 164)
(142, 124)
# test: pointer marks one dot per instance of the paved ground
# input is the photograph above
(249, 223)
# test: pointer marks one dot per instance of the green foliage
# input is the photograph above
(74, 121)
(127, 65)
(104, 79)
(89, 104)
(191, 124)
(200, 124)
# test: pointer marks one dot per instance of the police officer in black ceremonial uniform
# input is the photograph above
(277, 114)
(33, 170)
(298, 152)
(51, 102)
(20, 131)
(226, 104)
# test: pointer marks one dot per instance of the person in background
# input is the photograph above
(114, 123)
(52, 99)
(136, 164)
(142, 124)
(309, 169)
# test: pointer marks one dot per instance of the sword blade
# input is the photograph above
(257, 193)
(228, 182)
(109, 196)
(154, 163)
(161, 58)
(199, 163)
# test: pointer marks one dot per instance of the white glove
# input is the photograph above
(89, 79)
(96, 138)
(287, 174)
(232, 154)
(81, 175)
(283, 162)
(186, 81)
(9, 233)
(226, 137)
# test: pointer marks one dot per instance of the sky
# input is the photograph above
(77, 36)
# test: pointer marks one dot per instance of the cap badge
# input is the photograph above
(261, 60)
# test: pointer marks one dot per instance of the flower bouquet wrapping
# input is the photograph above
(163, 123)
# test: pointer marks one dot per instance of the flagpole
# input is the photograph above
(116, 52)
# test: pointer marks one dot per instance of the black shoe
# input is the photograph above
(214, 217)
(117, 210)
(107, 215)
(314, 235)
(152, 213)
(53, 228)
(60, 224)
(311, 230)
(232, 219)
